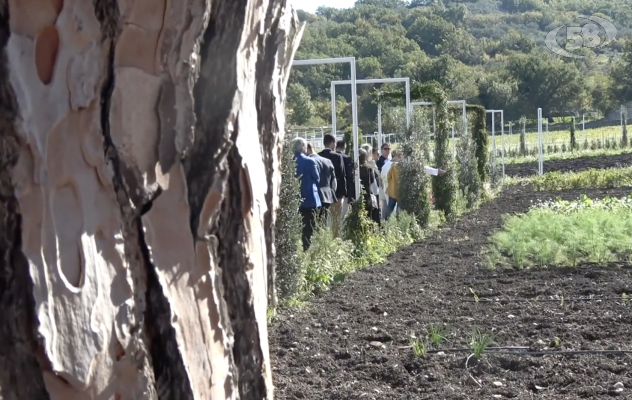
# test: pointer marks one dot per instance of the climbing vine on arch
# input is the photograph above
(445, 187)
(479, 134)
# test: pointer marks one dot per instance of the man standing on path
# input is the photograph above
(329, 141)
(328, 184)
(307, 171)
(341, 148)
(386, 150)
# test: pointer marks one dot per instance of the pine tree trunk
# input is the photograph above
(136, 210)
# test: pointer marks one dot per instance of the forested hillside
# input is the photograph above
(484, 51)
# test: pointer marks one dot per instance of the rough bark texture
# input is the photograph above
(136, 208)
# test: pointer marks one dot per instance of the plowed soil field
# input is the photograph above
(353, 341)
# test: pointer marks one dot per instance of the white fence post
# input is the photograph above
(540, 160)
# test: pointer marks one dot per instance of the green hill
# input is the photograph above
(486, 52)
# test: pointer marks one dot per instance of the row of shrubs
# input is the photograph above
(300, 273)
(593, 145)
(573, 145)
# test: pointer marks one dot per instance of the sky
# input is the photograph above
(312, 5)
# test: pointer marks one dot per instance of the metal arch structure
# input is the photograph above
(540, 156)
(371, 81)
(354, 106)
(464, 107)
(502, 135)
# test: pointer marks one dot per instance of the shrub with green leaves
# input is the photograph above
(327, 260)
(289, 271)
(469, 179)
(481, 139)
(413, 192)
(565, 233)
(590, 178)
(445, 187)
(358, 228)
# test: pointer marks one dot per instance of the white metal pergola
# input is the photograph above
(464, 106)
(502, 136)
(379, 113)
(354, 105)
(540, 158)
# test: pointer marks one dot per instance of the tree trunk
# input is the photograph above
(136, 210)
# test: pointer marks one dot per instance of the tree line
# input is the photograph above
(486, 52)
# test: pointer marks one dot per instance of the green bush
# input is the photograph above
(444, 187)
(481, 140)
(289, 270)
(591, 178)
(326, 261)
(329, 259)
(469, 179)
(565, 233)
(358, 227)
(413, 191)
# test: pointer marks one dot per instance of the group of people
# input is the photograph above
(328, 183)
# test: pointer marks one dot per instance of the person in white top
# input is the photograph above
(384, 173)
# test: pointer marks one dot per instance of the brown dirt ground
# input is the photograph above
(324, 352)
(571, 165)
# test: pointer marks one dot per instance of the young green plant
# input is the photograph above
(419, 347)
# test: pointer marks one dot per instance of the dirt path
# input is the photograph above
(324, 352)
(571, 165)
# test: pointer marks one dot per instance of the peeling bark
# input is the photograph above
(137, 212)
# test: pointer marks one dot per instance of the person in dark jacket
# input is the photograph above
(368, 180)
(338, 163)
(328, 184)
(307, 171)
(337, 160)
(341, 148)
(386, 149)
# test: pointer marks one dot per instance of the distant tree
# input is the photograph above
(299, 100)
(622, 75)
(549, 83)
(433, 34)
(522, 5)
(601, 91)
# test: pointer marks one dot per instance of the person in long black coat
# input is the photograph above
(337, 161)
(342, 183)
(368, 177)
(349, 170)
